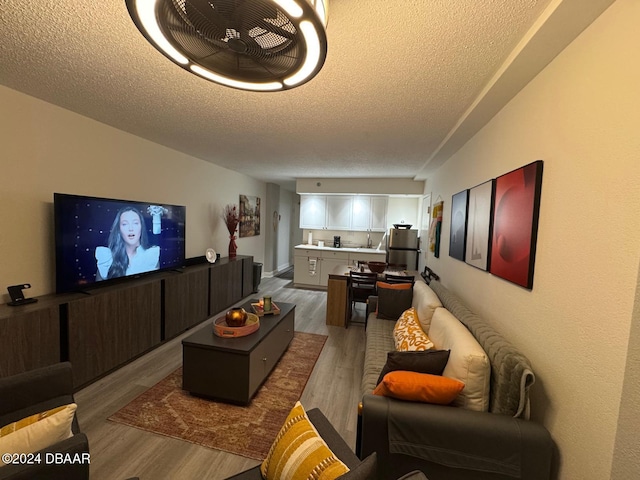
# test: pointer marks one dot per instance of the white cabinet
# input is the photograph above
(312, 267)
(359, 213)
(313, 211)
(306, 268)
(378, 214)
(339, 212)
(331, 260)
(369, 213)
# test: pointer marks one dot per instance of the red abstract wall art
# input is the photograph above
(515, 224)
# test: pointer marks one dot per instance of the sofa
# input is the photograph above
(35, 391)
(484, 433)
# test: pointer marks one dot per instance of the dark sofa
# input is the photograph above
(449, 442)
(33, 392)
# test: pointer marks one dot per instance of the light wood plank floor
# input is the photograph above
(119, 452)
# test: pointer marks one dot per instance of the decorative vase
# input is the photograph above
(236, 317)
(232, 246)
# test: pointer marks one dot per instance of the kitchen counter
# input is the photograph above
(312, 264)
(342, 249)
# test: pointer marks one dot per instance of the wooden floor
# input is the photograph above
(119, 452)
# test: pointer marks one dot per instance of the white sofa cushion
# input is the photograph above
(467, 361)
(425, 301)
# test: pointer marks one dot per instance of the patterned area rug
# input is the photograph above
(248, 431)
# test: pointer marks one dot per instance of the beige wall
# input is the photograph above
(581, 116)
(47, 149)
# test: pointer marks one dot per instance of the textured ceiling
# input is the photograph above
(405, 83)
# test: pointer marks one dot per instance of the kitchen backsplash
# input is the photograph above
(348, 239)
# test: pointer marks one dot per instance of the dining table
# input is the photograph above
(338, 291)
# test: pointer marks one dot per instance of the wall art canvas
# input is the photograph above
(515, 224)
(479, 225)
(458, 233)
(249, 216)
(435, 228)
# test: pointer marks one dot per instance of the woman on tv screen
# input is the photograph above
(129, 252)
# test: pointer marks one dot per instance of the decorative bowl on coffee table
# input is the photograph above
(221, 329)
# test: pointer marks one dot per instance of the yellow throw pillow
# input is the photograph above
(38, 431)
(298, 452)
(408, 334)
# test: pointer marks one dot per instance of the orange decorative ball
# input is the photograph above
(236, 317)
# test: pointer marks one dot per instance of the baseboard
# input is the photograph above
(285, 266)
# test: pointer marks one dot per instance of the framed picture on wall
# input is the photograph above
(479, 225)
(249, 216)
(458, 232)
(515, 224)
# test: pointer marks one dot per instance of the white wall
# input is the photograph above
(403, 210)
(285, 212)
(47, 149)
(581, 116)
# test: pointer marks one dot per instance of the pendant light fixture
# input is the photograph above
(260, 45)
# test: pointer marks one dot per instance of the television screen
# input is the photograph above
(101, 239)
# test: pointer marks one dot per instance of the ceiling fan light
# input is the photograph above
(264, 87)
(291, 7)
(257, 45)
(313, 55)
(322, 10)
(146, 10)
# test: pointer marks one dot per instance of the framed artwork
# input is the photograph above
(515, 224)
(479, 225)
(458, 233)
(249, 216)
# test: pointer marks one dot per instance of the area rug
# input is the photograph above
(249, 430)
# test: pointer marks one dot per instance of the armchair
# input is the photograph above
(33, 392)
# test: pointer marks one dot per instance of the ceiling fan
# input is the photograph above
(260, 45)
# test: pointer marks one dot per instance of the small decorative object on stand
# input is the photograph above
(231, 219)
(267, 303)
(260, 309)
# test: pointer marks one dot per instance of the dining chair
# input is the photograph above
(361, 286)
(390, 278)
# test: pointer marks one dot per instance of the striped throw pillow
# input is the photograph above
(299, 453)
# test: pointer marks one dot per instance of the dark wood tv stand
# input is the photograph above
(117, 323)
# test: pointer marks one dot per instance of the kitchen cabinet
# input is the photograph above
(378, 220)
(313, 211)
(330, 260)
(359, 213)
(369, 213)
(339, 212)
(326, 260)
(303, 271)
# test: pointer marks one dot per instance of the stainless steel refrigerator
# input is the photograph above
(403, 246)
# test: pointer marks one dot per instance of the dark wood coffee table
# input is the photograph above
(232, 369)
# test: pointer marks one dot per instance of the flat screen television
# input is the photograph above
(99, 240)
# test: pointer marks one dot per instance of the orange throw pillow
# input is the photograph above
(394, 286)
(419, 387)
